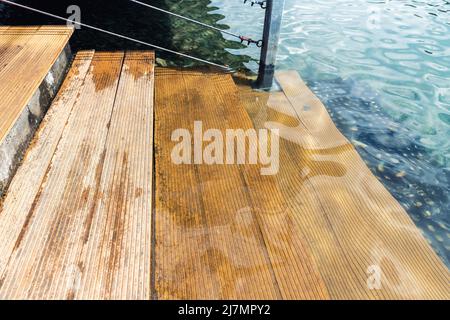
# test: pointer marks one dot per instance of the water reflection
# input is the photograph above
(130, 19)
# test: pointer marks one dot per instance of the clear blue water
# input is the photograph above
(382, 68)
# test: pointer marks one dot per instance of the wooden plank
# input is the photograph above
(31, 176)
(85, 230)
(198, 235)
(117, 256)
(12, 41)
(182, 264)
(19, 81)
(43, 264)
(216, 236)
(353, 220)
(297, 168)
(295, 269)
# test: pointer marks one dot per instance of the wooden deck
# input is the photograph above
(98, 210)
(313, 231)
(20, 79)
(33, 63)
(221, 231)
(75, 223)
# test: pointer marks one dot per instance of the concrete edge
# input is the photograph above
(16, 142)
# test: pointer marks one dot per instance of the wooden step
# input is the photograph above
(33, 62)
(76, 219)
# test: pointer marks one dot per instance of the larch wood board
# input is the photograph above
(77, 216)
(350, 220)
(20, 79)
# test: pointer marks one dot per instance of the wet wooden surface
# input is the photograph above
(315, 230)
(221, 231)
(76, 220)
(20, 79)
(350, 221)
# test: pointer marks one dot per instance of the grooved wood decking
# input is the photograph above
(222, 231)
(20, 79)
(76, 221)
(347, 217)
(310, 232)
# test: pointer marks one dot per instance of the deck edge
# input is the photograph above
(14, 145)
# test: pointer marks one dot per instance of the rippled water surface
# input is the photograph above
(382, 68)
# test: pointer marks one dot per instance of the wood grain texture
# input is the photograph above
(348, 218)
(222, 231)
(116, 255)
(86, 233)
(77, 221)
(20, 80)
(27, 182)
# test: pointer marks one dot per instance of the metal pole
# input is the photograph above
(271, 37)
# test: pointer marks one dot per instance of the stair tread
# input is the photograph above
(20, 80)
(83, 224)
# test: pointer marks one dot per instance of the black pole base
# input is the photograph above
(265, 77)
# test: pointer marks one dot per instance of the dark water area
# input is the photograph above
(138, 22)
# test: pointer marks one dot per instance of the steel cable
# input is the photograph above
(224, 67)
